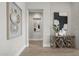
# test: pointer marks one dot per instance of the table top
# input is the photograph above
(65, 36)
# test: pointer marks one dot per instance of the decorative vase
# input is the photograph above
(56, 34)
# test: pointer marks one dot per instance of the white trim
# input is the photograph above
(44, 45)
(20, 51)
(37, 39)
(27, 27)
(27, 45)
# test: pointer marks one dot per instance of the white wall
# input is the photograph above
(12, 46)
(75, 22)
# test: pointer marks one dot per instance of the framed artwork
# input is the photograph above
(36, 27)
(63, 20)
(36, 24)
(60, 22)
(14, 20)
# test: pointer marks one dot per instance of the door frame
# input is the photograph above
(28, 26)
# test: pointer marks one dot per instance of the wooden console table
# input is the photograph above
(63, 41)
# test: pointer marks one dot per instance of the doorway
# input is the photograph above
(35, 28)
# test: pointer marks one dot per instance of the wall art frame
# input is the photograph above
(14, 20)
(62, 19)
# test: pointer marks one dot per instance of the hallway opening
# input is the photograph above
(35, 28)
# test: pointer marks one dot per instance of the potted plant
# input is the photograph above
(56, 27)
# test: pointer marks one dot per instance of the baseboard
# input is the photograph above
(44, 46)
(27, 45)
(21, 50)
(37, 39)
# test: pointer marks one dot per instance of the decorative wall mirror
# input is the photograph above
(60, 23)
